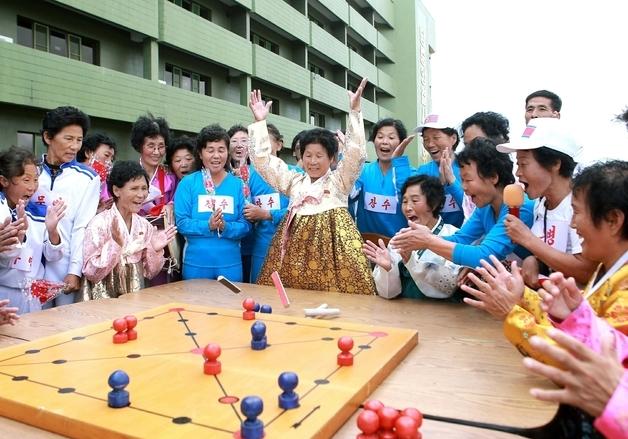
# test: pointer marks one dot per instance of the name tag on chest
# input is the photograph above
(268, 201)
(209, 203)
(556, 233)
(450, 204)
(24, 261)
(380, 203)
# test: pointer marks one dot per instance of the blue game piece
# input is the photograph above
(256, 308)
(288, 399)
(266, 309)
(252, 427)
(258, 331)
(118, 397)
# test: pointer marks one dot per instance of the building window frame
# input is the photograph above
(265, 43)
(176, 76)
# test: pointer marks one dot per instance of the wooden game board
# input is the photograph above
(59, 383)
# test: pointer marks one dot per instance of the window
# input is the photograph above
(317, 119)
(26, 140)
(47, 39)
(178, 77)
(266, 44)
(274, 109)
(316, 69)
(194, 8)
(317, 21)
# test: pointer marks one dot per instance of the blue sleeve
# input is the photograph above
(455, 189)
(470, 231)
(496, 242)
(240, 227)
(184, 206)
(401, 171)
(277, 215)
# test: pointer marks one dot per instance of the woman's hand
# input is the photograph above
(259, 108)
(162, 238)
(355, 98)
(377, 254)
(54, 214)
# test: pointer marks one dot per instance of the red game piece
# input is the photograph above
(345, 358)
(120, 326)
(368, 423)
(131, 322)
(413, 413)
(373, 404)
(406, 427)
(248, 304)
(212, 365)
(387, 418)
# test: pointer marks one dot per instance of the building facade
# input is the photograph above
(195, 62)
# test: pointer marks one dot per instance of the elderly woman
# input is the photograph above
(417, 274)
(121, 248)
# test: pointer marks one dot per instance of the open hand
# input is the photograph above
(560, 296)
(401, 148)
(259, 108)
(355, 98)
(161, 238)
(378, 254)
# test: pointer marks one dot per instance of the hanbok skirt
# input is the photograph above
(123, 279)
(323, 252)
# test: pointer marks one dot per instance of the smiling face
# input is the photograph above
(594, 238)
(238, 144)
(153, 150)
(104, 154)
(471, 133)
(130, 197)
(385, 141)
(481, 190)
(22, 187)
(214, 156)
(182, 162)
(436, 141)
(535, 178)
(415, 207)
(62, 148)
(316, 162)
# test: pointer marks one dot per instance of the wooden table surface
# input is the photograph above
(463, 367)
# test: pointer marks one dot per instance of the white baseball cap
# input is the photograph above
(434, 121)
(550, 132)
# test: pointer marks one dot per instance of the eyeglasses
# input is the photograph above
(155, 148)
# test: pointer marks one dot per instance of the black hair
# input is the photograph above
(123, 172)
(13, 160)
(402, 133)
(274, 131)
(211, 133)
(61, 117)
(623, 117)
(494, 125)
(557, 103)
(605, 188)
(488, 161)
(296, 141)
(149, 126)
(181, 142)
(236, 129)
(432, 188)
(548, 157)
(320, 135)
(91, 144)
(447, 131)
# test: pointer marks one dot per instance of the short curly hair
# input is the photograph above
(211, 133)
(181, 142)
(322, 136)
(495, 126)
(123, 172)
(61, 117)
(389, 122)
(488, 161)
(91, 144)
(432, 189)
(605, 188)
(149, 126)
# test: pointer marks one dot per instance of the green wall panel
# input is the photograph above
(328, 45)
(277, 70)
(203, 37)
(284, 16)
(385, 82)
(370, 111)
(338, 7)
(138, 15)
(386, 9)
(385, 46)
(362, 67)
(329, 93)
(362, 27)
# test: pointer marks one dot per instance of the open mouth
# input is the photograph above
(413, 218)
(385, 150)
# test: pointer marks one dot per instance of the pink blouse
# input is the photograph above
(101, 253)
